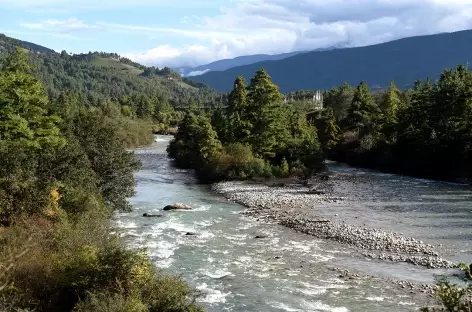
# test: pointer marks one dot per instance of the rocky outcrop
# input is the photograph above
(177, 206)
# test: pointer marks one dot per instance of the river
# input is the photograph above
(290, 271)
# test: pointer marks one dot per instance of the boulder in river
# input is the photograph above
(261, 236)
(315, 192)
(190, 234)
(149, 215)
(177, 206)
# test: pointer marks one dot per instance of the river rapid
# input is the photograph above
(290, 271)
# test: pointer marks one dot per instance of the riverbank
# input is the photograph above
(295, 206)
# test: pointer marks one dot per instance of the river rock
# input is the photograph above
(260, 236)
(190, 234)
(177, 206)
(150, 215)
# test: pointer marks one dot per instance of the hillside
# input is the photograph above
(107, 75)
(404, 60)
(8, 44)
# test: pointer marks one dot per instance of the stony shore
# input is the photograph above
(294, 205)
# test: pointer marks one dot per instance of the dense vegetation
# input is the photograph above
(254, 136)
(149, 93)
(63, 172)
(425, 131)
(404, 60)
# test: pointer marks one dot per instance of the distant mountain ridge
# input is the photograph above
(403, 60)
(225, 64)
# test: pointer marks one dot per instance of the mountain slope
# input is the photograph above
(107, 75)
(404, 61)
(9, 44)
(225, 64)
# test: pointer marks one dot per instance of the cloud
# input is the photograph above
(243, 27)
(197, 72)
(277, 26)
(68, 26)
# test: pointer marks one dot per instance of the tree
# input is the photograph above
(196, 146)
(363, 113)
(339, 99)
(27, 134)
(265, 113)
(23, 103)
(391, 104)
(238, 128)
(328, 130)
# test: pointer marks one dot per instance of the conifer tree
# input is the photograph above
(265, 113)
(363, 112)
(390, 106)
(238, 127)
(23, 106)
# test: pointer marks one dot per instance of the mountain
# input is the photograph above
(404, 61)
(107, 75)
(9, 44)
(229, 63)
(225, 64)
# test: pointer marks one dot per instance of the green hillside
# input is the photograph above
(8, 44)
(107, 75)
(404, 61)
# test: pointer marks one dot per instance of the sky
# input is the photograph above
(178, 33)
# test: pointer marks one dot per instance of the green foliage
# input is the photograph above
(452, 298)
(239, 127)
(328, 130)
(196, 145)
(257, 136)
(23, 117)
(269, 129)
(426, 127)
(339, 99)
(363, 113)
(59, 184)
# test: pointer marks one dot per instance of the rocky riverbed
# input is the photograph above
(295, 205)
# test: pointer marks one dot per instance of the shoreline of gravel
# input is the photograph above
(287, 204)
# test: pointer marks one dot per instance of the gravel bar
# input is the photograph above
(288, 204)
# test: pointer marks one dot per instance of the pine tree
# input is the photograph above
(23, 107)
(269, 127)
(238, 128)
(390, 106)
(331, 131)
(363, 112)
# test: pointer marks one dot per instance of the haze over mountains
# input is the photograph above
(404, 61)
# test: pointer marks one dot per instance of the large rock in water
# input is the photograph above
(149, 215)
(177, 206)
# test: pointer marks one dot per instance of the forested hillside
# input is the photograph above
(64, 171)
(107, 75)
(403, 61)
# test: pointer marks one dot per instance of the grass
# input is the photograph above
(115, 63)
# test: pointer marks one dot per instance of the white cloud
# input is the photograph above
(277, 26)
(197, 72)
(60, 26)
(264, 26)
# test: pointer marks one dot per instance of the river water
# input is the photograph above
(290, 271)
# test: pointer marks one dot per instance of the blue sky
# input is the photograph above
(194, 32)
